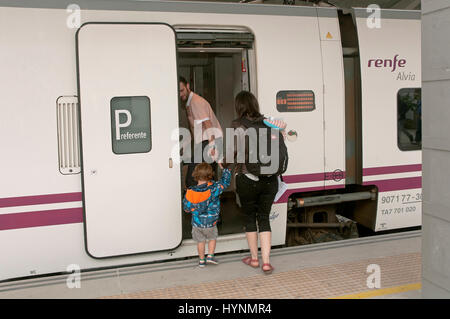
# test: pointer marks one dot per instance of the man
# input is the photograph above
(204, 126)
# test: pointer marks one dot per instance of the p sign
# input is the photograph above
(118, 124)
(130, 124)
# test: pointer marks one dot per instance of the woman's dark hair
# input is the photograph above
(246, 105)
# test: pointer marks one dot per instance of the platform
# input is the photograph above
(326, 270)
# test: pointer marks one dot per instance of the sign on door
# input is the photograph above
(130, 124)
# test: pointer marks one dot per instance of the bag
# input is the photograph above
(263, 164)
(282, 188)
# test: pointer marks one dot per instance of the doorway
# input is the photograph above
(217, 74)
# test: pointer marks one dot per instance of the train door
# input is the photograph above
(128, 90)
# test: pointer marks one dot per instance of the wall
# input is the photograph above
(436, 148)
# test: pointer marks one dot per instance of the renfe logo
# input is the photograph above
(387, 63)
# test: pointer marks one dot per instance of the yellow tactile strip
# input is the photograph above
(381, 292)
(314, 282)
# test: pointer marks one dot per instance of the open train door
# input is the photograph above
(128, 91)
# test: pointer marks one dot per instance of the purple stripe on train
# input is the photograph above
(40, 199)
(41, 218)
(388, 185)
(75, 215)
(392, 169)
(383, 185)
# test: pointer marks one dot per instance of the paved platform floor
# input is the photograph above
(328, 270)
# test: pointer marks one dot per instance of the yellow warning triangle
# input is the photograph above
(329, 36)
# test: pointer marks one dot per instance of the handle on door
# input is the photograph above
(170, 162)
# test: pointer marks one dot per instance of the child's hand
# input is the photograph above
(223, 165)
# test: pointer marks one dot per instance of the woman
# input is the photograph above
(256, 193)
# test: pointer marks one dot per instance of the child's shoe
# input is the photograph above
(202, 263)
(212, 260)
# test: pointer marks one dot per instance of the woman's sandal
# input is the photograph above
(250, 262)
(267, 271)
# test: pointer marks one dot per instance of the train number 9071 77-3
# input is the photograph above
(402, 198)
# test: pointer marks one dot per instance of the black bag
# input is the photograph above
(263, 164)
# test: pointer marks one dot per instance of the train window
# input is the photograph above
(295, 101)
(409, 119)
(130, 124)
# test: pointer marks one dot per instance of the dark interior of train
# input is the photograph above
(217, 75)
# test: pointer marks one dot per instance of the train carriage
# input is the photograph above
(90, 168)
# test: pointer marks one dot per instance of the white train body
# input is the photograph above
(114, 208)
(396, 173)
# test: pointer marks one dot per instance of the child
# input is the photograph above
(203, 202)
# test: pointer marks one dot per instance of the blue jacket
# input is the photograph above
(203, 202)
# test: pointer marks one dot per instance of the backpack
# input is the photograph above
(262, 166)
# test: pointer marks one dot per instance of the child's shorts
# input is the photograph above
(203, 234)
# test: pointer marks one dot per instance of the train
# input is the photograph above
(73, 192)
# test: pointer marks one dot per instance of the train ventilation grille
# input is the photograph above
(68, 135)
